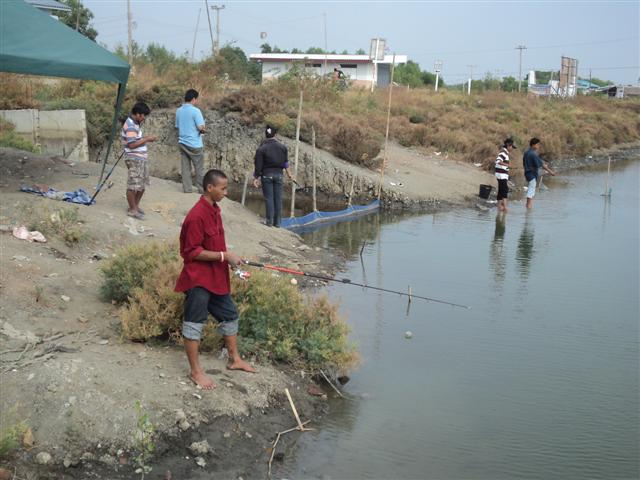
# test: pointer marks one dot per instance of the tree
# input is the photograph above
(80, 16)
(409, 74)
(360, 51)
(509, 84)
(265, 48)
(158, 56)
(314, 50)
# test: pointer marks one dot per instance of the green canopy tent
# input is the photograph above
(33, 43)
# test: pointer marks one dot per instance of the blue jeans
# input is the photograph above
(272, 191)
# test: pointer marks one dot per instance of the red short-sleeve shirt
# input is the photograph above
(202, 230)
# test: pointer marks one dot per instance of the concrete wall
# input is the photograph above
(56, 132)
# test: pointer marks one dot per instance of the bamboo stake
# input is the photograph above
(353, 182)
(295, 161)
(386, 136)
(409, 293)
(332, 385)
(606, 185)
(244, 189)
(313, 167)
(295, 412)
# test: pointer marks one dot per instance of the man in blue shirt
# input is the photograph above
(190, 125)
(532, 164)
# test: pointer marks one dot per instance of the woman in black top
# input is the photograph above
(270, 161)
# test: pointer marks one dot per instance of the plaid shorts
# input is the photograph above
(138, 176)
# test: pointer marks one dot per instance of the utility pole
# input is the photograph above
(521, 48)
(78, 6)
(195, 34)
(217, 8)
(324, 15)
(437, 67)
(471, 67)
(213, 45)
(130, 35)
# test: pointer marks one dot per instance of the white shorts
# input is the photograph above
(531, 188)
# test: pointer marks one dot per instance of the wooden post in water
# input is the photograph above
(313, 167)
(353, 181)
(295, 161)
(386, 135)
(607, 190)
(244, 188)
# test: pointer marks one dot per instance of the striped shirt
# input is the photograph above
(131, 133)
(502, 164)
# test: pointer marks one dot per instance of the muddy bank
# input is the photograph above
(617, 153)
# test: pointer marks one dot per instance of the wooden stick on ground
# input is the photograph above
(332, 385)
(295, 412)
(273, 447)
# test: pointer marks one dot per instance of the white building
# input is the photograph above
(360, 69)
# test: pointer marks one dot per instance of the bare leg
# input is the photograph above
(132, 201)
(197, 374)
(235, 361)
(504, 205)
(138, 198)
(529, 202)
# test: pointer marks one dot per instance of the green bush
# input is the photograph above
(9, 138)
(131, 266)
(276, 322)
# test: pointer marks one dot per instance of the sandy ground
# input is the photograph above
(64, 369)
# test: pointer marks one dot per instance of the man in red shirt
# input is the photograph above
(205, 278)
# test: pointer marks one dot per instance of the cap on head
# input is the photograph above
(534, 141)
(509, 143)
(270, 131)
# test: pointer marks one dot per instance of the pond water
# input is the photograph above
(538, 380)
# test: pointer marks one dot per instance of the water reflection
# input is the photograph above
(524, 254)
(498, 261)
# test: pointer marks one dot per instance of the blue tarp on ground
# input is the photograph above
(316, 219)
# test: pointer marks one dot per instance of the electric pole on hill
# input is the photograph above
(471, 67)
(216, 47)
(521, 48)
(130, 35)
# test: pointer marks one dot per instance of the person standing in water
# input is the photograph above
(502, 173)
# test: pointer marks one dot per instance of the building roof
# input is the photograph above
(51, 48)
(49, 5)
(285, 57)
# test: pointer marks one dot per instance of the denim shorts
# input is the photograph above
(531, 188)
(199, 303)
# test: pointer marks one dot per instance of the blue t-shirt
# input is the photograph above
(188, 118)
(532, 163)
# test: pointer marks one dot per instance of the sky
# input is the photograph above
(603, 35)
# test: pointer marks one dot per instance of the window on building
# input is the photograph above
(348, 65)
(314, 65)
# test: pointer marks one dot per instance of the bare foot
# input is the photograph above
(240, 364)
(202, 381)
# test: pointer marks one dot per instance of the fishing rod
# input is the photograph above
(348, 282)
(99, 187)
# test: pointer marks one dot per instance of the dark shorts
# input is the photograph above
(199, 302)
(503, 189)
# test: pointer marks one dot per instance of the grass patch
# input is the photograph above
(277, 323)
(11, 432)
(63, 222)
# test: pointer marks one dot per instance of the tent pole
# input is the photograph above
(121, 89)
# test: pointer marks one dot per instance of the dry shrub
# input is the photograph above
(355, 144)
(131, 266)
(284, 125)
(277, 323)
(18, 91)
(252, 104)
(155, 309)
